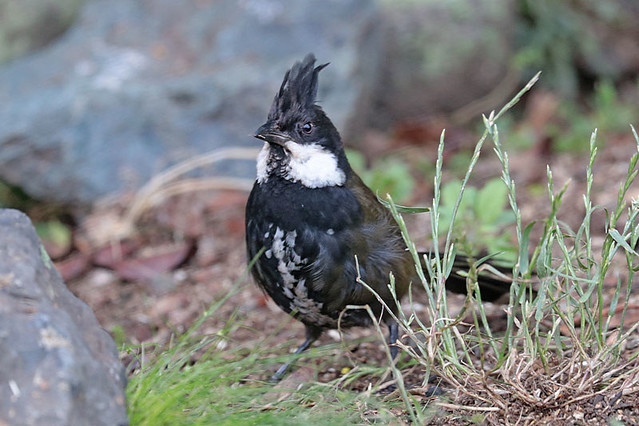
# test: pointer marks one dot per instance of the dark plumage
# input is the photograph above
(313, 215)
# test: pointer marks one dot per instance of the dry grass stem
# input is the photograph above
(158, 188)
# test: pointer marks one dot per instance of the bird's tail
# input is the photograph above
(494, 280)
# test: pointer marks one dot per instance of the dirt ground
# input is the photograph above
(190, 252)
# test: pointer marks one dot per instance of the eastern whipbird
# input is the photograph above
(312, 216)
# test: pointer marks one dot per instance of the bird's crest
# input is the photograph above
(299, 88)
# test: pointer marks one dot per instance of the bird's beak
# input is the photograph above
(269, 134)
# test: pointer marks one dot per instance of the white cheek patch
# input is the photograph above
(313, 166)
(262, 163)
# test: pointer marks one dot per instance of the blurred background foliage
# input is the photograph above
(567, 40)
(438, 62)
(28, 25)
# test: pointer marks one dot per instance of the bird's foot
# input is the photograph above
(280, 373)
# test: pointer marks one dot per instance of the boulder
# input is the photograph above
(135, 86)
(441, 56)
(57, 365)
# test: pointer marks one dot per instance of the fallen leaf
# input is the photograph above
(154, 262)
(112, 253)
(73, 266)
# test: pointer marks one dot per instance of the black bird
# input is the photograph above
(313, 216)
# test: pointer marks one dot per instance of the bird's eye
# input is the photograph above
(307, 127)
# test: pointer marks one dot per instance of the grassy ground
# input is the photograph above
(563, 349)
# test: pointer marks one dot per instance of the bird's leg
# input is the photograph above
(312, 334)
(393, 335)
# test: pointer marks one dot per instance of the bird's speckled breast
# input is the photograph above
(292, 283)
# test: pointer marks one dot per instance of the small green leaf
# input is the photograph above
(491, 201)
(540, 267)
(523, 248)
(54, 231)
(403, 209)
(450, 192)
(621, 241)
(356, 160)
(587, 292)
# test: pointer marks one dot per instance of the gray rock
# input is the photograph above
(57, 365)
(135, 86)
(440, 56)
(26, 25)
